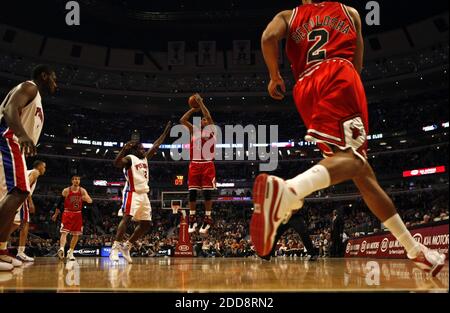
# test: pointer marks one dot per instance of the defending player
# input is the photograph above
(133, 159)
(21, 122)
(72, 217)
(22, 218)
(325, 47)
(202, 172)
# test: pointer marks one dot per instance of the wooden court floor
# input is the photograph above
(221, 275)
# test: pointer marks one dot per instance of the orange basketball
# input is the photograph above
(193, 102)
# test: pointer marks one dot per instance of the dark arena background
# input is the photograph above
(125, 68)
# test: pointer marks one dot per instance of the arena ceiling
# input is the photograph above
(148, 24)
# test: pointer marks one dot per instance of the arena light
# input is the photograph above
(424, 171)
(429, 128)
(225, 185)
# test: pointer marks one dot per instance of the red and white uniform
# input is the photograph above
(135, 201)
(202, 172)
(329, 94)
(23, 213)
(72, 218)
(13, 169)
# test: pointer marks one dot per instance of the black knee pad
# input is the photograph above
(192, 195)
(207, 194)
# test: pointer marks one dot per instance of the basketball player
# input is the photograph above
(202, 173)
(22, 218)
(133, 159)
(324, 44)
(21, 122)
(72, 217)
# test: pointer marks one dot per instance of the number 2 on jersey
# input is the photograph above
(316, 53)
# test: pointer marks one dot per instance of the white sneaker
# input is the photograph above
(192, 228)
(23, 257)
(114, 254)
(60, 254)
(70, 256)
(5, 266)
(204, 229)
(274, 202)
(9, 259)
(125, 249)
(430, 261)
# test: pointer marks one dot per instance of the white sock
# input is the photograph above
(399, 230)
(70, 251)
(208, 213)
(316, 178)
(3, 245)
(21, 249)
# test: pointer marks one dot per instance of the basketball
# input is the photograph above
(193, 102)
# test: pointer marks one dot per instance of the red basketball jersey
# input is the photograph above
(317, 32)
(203, 149)
(73, 201)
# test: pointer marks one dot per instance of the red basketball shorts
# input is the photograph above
(72, 222)
(202, 175)
(331, 100)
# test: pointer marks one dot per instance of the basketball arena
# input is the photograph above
(111, 197)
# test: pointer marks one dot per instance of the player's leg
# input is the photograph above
(192, 209)
(142, 228)
(383, 208)
(73, 244)
(194, 185)
(24, 214)
(23, 237)
(207, 221)
(62, 244)
(142, 213)
(8, 208)
(76, 230)
(208, 186)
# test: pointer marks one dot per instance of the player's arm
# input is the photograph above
(359, 53)
(85, 196)
(25, 93)
(60, 204)
(121, 161)
(271, 37)
(31, 206)
(186, 117)
(151, 152)
(32, 178)
(204, 109)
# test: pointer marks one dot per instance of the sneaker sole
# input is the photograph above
(259, 227)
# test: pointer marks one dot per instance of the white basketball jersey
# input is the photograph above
(31, 116)
(137, 175)
(33, 186)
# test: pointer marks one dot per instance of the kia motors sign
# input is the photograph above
(424, 171)
(386, 246)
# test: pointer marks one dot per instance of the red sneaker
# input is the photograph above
(430, 261)
(274, 202)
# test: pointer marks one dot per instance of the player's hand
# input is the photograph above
(54, 217)
(27, 146)
(129, 145)
(277, 88)
(199, 99)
